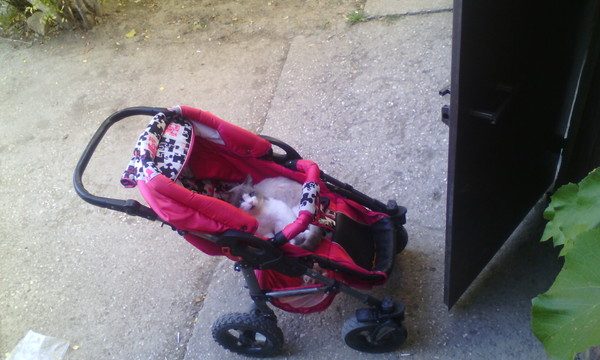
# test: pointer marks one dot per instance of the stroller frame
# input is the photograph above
(377, 328)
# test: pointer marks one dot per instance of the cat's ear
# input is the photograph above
(248, 180)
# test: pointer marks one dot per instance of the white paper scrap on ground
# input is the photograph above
(36, 346)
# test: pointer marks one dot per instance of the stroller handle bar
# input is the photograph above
(131, 207)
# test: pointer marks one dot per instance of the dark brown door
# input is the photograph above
(516, 75)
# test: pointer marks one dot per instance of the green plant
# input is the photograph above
(10, 17)
(566, 319)
(356, 17)
(75, 13)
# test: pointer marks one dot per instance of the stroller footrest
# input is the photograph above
(371, 247)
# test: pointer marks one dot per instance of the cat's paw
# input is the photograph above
(299, 239)
(312, 238)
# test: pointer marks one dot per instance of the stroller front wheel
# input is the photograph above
(248, 334)
(373, 337)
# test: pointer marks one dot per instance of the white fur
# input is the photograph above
(275, 203)
(273, 215)
(289, 192)
(281, 188)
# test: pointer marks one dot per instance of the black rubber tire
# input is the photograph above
(356, 336)
(401, 239)
(248, 334)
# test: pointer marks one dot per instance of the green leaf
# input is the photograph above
(566, 319)
(573, 209)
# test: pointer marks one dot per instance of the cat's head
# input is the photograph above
(245, 196)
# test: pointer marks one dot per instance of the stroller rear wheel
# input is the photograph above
(373, 337)
(401, 239)
(248, 334)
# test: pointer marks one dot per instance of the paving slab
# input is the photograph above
(364, 104)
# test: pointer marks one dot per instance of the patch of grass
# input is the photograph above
(356, 17)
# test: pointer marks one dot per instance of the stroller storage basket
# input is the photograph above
(184, 163)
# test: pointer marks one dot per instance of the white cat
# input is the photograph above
(275, 203)
(283, 189)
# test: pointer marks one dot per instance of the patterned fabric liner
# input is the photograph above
(212, 188)
(161, 149)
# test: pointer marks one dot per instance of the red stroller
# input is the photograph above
(184, 161)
